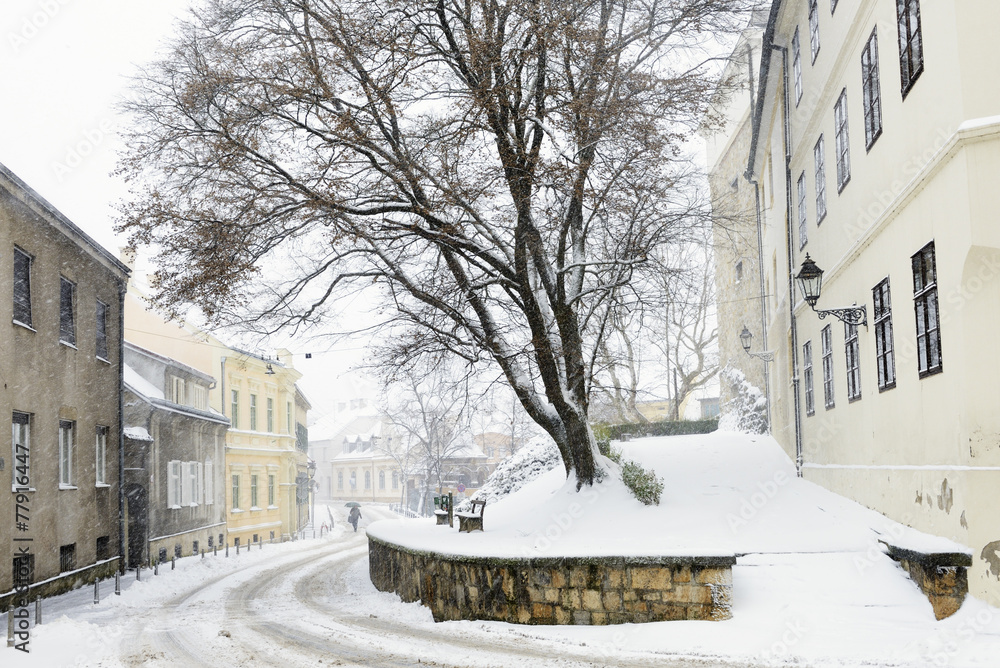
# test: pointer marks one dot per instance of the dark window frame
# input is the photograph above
(819, 165)
(101, 332)
(807, 378)
(871, 95)
(911, 44)
(826, 350)
(842, 141)
(67, 312)
(814, 44)
(885, 358)
(797, 66)
(803, 218)
(925, 310)
(852, 354)
(22, 286)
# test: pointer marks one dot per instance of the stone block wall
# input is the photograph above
(944, 586)
(570, 590)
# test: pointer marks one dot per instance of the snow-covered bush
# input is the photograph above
(516, 471)
(642, 482)
(747, 411)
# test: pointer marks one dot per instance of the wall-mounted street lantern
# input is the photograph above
(745, 338)
(810, 279)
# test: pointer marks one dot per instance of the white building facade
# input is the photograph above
(875, 149)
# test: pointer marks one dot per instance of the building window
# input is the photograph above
(803, 233)
(843, 147)
(270, 415)
(102, 330)
(174, 484)
(22, 287)
(198, 396)
(192, 493)
(270, 491)
(925, 305)
(911, 49)
(739, 271)
(884, 358)
(814, 28)
(253, 412)
(819, 163)
(870, 91)
(194, 547)
(234, 411)
(103, 546)
(395, 479)
(807, 377)
(826, 344)
(177, 390)
(340, 480)
(209, 484)
(368, 479)
(101, 447)
(67, 557)
(253, 491)
(67, 319)
(853, 362)
(236, 491)
(66, 429)
(354, 480)
(381, 479)
(20, 450)
(797, 66)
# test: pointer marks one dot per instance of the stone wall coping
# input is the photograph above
(929, 559)
(707, 560)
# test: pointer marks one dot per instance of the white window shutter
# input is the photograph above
(173, 477)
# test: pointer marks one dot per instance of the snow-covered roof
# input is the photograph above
(140, 385)
(137, 434)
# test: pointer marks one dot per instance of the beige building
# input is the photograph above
(875, 149)
(266, 469)
(61, 366)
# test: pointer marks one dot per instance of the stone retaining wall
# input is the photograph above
(570, 590)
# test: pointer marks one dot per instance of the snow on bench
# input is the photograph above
(471, 521)
(938, 566)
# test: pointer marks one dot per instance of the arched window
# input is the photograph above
(395, 479)
(354, 479)
(340, 480)
(368, 479)
(381, 479)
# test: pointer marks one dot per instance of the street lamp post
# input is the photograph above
(810, 279)
(745, 338)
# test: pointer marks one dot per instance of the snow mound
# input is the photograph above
(513, 473)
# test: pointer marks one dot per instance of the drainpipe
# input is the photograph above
(790, 250)
(222, 388)
(760, 256)
(122, 287)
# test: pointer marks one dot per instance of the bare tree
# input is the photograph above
(498, 170)
(430, 411)
(666, 345)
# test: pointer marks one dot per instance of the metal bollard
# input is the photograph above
(203, 554)
(118, 583)
(38, 611)
(156, 568)
(173, 562)
(137, 576)
(10, 627)
(261, 544)
(215, 550)
(227, 548)
(97, 592)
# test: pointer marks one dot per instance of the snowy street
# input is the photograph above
(296, 604)
(810, 587)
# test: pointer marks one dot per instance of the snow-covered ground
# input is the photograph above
(812, 588)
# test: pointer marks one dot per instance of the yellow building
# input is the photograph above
(267, 479)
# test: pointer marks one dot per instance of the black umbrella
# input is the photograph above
(352, 504)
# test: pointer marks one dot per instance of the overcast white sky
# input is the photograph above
(63, 65)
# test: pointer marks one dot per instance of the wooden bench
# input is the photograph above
(471, 521)
(941, 576)
(444, 510)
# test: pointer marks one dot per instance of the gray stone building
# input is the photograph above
(174, 459)
(60, 378)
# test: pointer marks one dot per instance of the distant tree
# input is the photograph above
(430, 410)
(498, 171)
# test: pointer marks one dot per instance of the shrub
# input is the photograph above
(643, 483)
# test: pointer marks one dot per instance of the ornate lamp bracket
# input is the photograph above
(855, 315)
